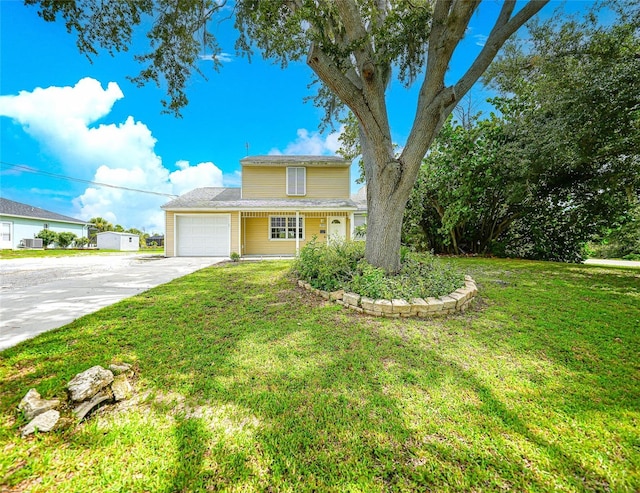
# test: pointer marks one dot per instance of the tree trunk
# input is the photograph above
(384, 229)
(387, 196)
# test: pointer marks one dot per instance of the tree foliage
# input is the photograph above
(559, 166)
(100, 224)
(471, 187)
(48, 237)
(65, 239)
(574, 96)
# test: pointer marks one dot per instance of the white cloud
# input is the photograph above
(481, 39)
(190, 177)
(221, 57)
(232, 179)
(116, 154)
(50, 192)
(311, 143)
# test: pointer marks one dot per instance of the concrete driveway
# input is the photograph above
(609, 262)
(40, 294)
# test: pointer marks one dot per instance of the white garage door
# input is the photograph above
(203, 236)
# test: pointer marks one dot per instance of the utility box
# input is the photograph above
(32, 242)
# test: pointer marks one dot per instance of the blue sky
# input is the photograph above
(63, 115)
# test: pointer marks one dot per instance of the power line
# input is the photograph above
(80, 180)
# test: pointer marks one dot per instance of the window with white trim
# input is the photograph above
(5, 235)
(284, 228)
(296, 181)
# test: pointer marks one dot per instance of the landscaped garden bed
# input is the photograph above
(458, 301)
(424, 286)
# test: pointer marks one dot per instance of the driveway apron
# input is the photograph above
(40, 294)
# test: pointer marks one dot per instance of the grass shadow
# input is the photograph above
(296, 394)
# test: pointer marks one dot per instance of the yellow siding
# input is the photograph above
(270, 183)
(257, 242)
(328, 183)
(168, 234)
(312, 228)
(264, 183)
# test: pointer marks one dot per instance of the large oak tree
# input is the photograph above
(353, 46)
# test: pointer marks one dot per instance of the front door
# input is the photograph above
(337, 228)
(6, 239)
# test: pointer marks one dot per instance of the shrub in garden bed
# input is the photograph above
(342, 265)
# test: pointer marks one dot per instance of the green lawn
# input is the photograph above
(57, 252)
(248, 383)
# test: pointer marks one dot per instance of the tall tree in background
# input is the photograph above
(100, 224)
(562, 162)
(353, 47)
(572, 94)
(472, 186)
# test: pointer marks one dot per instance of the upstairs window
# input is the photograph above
(296, 181)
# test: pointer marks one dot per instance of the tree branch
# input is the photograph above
(450, 21)
(505, 26)
(436, 101)
(337, 81)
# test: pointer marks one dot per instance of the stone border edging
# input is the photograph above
(458, 301)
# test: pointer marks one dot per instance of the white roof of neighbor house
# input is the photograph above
(119, 233)
(230, 198)
(309, 161)
(360, 198)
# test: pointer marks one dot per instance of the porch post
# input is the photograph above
(297, 235)
(352, 228)
(240, 233)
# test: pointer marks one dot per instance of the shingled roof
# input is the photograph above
(230, 198)
(289, 160)
(11, 208)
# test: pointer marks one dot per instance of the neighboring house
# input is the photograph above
(360, 216)
(20, 223)
(283, 203)
(157, 239)
(113, 240)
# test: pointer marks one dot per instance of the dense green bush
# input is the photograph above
(65, 239)
(622, 240)
(48, 237)
(81, 242)
(329, 267)
(342, 265)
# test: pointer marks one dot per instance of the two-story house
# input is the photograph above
(283, 202)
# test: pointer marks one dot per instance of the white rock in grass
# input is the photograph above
(84, 408)
(33, 405)
(43, 422)
(117, 369)
(88, 383)
(121, 388)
